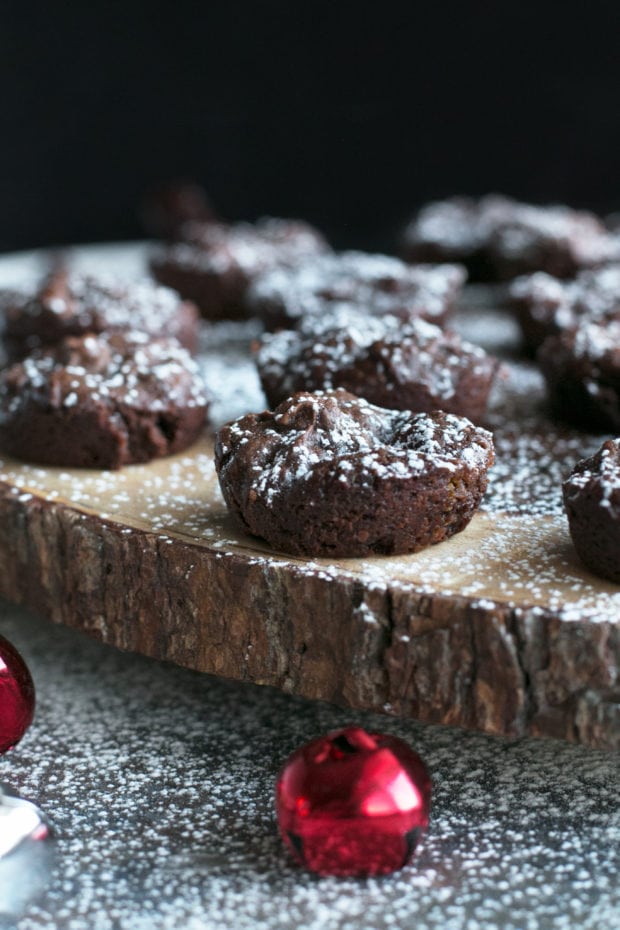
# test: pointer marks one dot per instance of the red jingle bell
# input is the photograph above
(16, 696)
(353, 803)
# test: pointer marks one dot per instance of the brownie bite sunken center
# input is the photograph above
(328, 474)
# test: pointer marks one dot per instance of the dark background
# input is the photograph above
(347, 114)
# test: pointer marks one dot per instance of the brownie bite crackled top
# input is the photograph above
(214, 263)
(69, 303)
(499, 238)
(365, 282)
(102, 401)
(581, 367)
(406, 366)
(592, 502)
(328, 474)
(544, 305)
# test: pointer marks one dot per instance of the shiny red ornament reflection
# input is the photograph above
(353, 803)
(16, 696)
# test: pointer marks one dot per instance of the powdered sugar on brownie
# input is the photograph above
(329, 473)
(456, 228)
(124, 366)
(214, 263)
(102, 401)
(604, 470)
(592, 501)
(499, 238)
(582, 370)
(307, 434)
(556, 239)
(68, 303)
(369, 283)
(250, 247)
(595, 341)
(546, 305)
(413, 365)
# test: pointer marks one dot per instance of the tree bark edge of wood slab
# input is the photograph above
(435, 658)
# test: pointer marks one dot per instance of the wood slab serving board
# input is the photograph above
(498, 629)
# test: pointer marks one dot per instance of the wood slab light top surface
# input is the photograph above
(516, 559)
(498, 628)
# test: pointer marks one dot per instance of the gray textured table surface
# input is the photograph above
(160, 785)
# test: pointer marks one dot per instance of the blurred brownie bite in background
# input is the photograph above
(168, 207)
(498, 238)
(581, 367)
(544, 305)
(70, 303)
(213, 264)
(361, 282)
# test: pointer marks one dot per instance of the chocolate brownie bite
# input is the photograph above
(404, 366)
(592, 503)
(102, 401)
(453, 230)
(358, 281)
(582, 370)
(328, 474)
(498, 238)
(69, 303)
(215, 263)
(525, 238)
(544, 305)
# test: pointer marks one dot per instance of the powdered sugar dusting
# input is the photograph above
(354, 441)
(160, 784)
(560, 304)
(385, 354)
(355, 281)
(65, 302)
(220, 248)
(133, 368)
(179, 497)
(596, 341)
(510, 236)
(597, 477)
